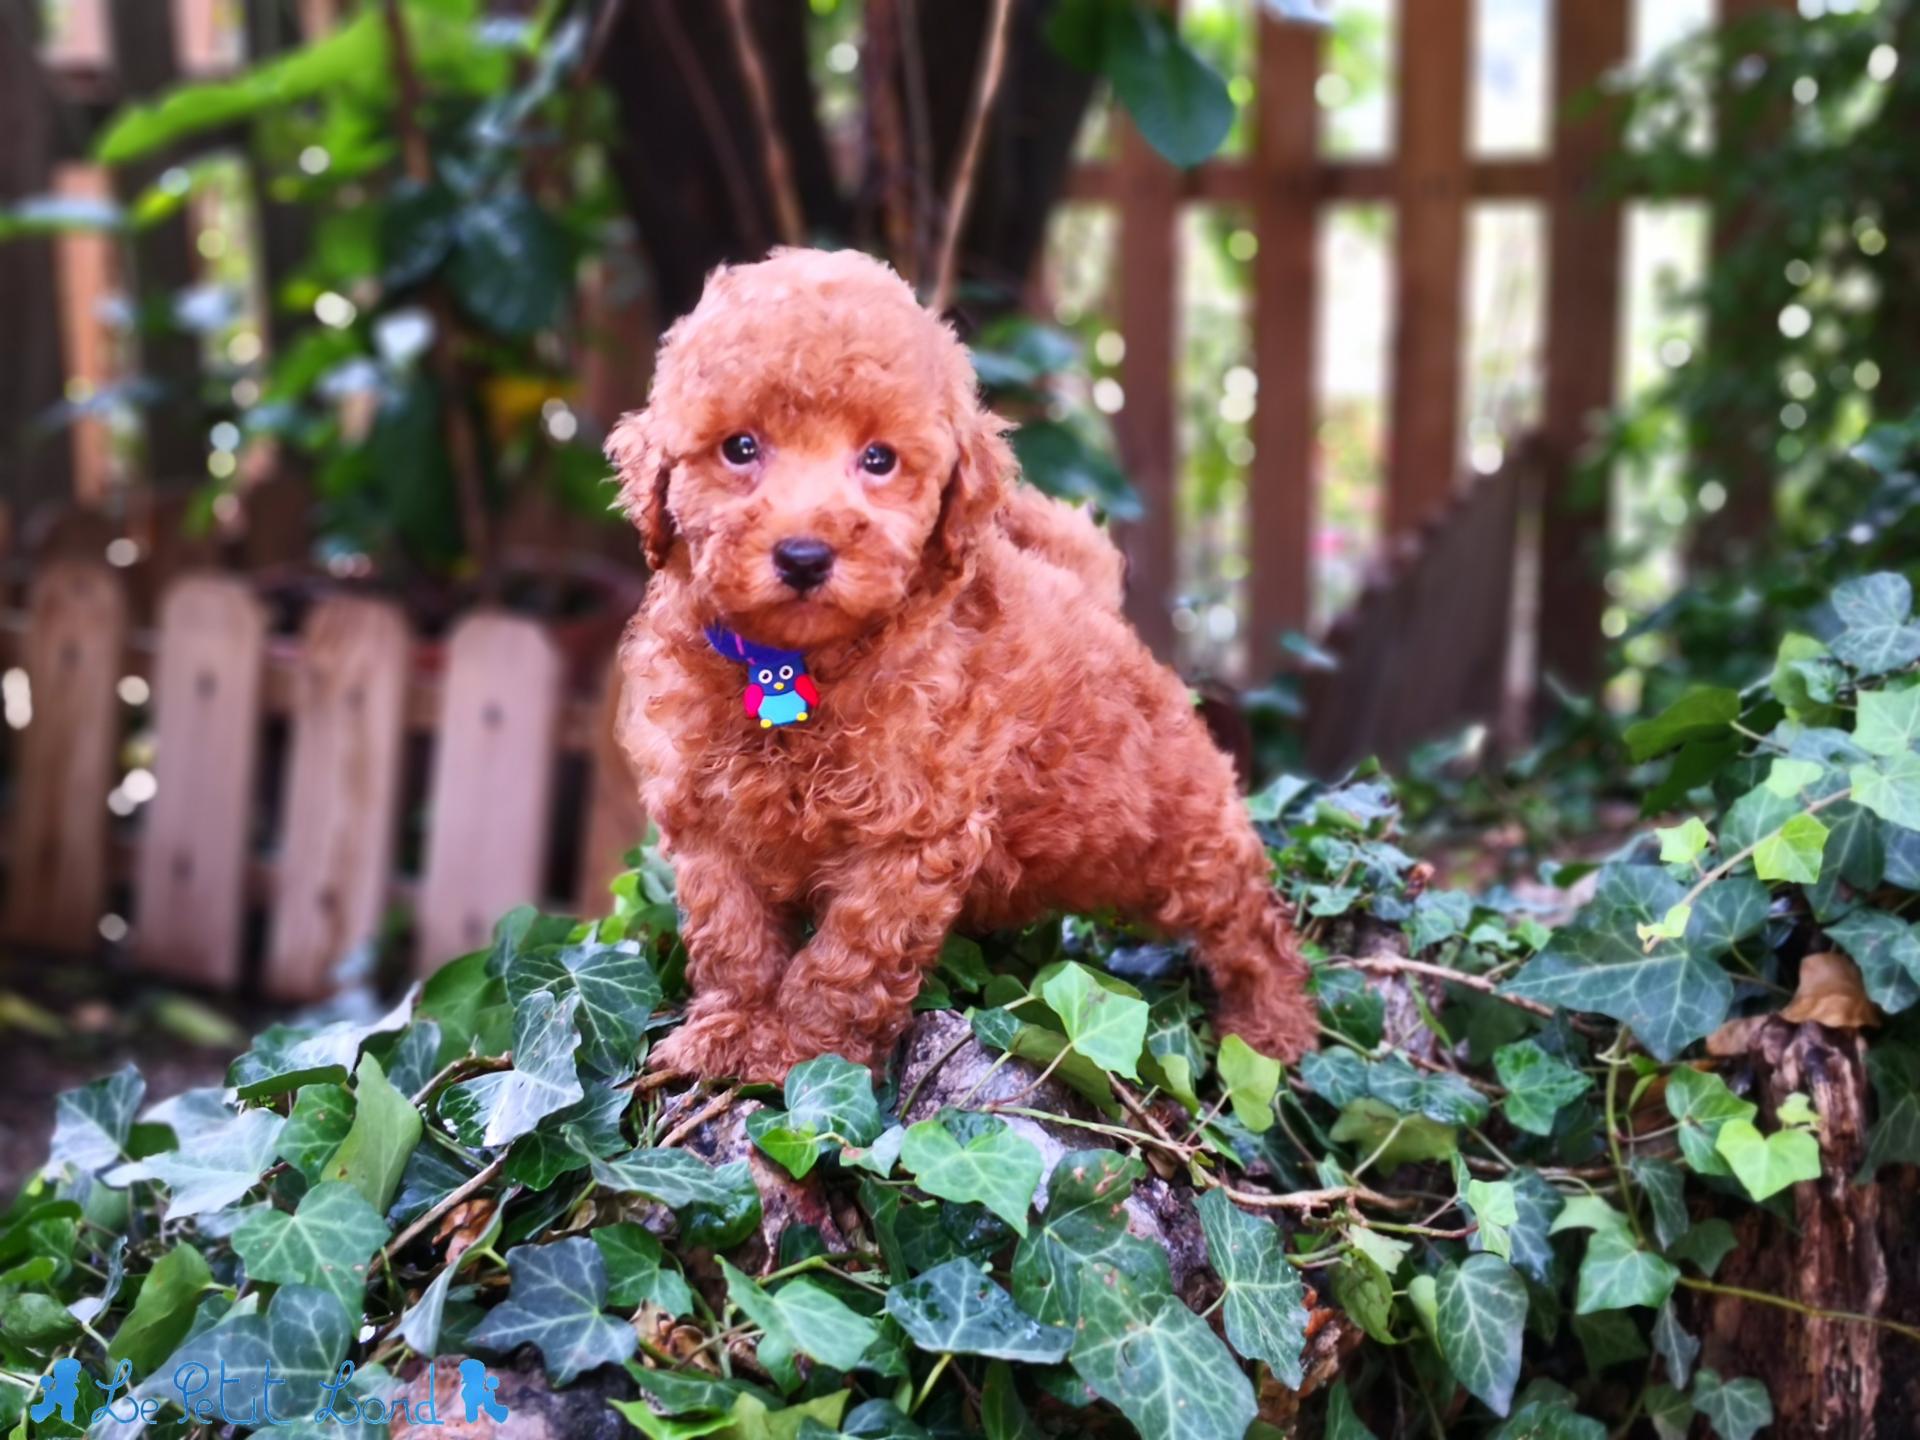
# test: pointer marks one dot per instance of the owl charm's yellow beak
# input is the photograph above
(779, 684)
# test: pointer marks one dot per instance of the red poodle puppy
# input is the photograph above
(879, 689)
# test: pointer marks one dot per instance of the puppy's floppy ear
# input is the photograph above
(644, 471)
(983, 473)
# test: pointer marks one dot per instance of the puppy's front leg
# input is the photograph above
(737, 945)
(850, 991)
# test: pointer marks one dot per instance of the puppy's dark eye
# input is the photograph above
(741, 449)
(878, 459)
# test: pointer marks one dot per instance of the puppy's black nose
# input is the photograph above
(803, 562)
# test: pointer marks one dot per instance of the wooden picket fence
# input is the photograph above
(297, 868)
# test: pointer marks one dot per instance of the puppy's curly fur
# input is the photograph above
(992, 740)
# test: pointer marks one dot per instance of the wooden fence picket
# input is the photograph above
(343, 791)
(76, 639)
(615, 823)
(492, 782)
(193, 856)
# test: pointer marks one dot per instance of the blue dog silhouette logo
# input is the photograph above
(59, 1393)
(477, 1384)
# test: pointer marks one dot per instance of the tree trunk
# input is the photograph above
(1848, 1247)
(692, 164)
(35, 464)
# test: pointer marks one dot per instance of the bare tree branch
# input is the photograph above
(786, 197)
(986, 86)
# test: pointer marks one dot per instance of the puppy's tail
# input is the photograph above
(1065, 536)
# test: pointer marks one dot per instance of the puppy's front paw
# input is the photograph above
(712, 1045)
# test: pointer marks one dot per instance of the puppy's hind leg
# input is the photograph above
(1215, 888)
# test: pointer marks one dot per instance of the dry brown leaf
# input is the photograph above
(1831, 993)
(465, 1223)
(1736, 1037)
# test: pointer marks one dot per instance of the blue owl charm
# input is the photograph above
(779, 690)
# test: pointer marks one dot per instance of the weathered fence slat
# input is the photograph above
(1286, 221)
(492, 781)
(193, 854)
(1430, 247)
(77, 629)
(343, 790)
(615, 823)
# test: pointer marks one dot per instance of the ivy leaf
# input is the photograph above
(300, 1340)
(963, 1156)
(1887, 950)
(956, 1309)
(322, 1115)
(1736, 1409)
(1482, 1313)
(1251, 1080)
(801, 1318)
(1670, 1412)
(1793, 851)
(326, 1243)
(539, 1159)
(554, 1304)
(636, 1272)
(1787, 777)
(1375, 1128)
(1107, 1027)
(1264, 1309)
(287, 1057)
(1727, 912)
(1538, 1085)
(1895, 1136)
(163, 1310)
(828, 1099)
(221, 1165)
(90, 1124)
(617, 988)
(1806, 679)
(1701, 1103)
(1085, 1223)
(1684, 843)
(1702, 712)
(1676, 1347)
(498, 1109)
(1768, 1164)
(1342, 1422)
(1366, 1294)
(1536, 1204)
(1705, 1245)
(1666, 1195)
(1890, 788)
(1338, 1076)
(1438, 915)
(1444, 1098)
(1179, 101)
(717, 1206)
(1618, 1273)
(1495, 1212)
(1669, 997)
(1143, 1351)
(385, 1129)
(1888, 721)
(1877, 637)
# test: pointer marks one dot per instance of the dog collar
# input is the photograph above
(779, 690)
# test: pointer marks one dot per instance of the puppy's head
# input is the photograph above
(814, 448)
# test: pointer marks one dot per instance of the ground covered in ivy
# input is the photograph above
(1490, 1205)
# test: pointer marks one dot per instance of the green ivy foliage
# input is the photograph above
(1515, 1199)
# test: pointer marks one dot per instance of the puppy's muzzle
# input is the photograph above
(803, 563)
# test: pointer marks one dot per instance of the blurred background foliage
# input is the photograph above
(408, 334)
